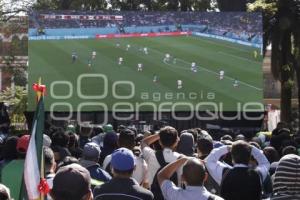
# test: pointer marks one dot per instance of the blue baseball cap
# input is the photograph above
(122, 159)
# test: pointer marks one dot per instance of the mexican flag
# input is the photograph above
(34, 167)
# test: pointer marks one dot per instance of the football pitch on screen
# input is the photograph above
(83, 83)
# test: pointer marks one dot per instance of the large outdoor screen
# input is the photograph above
(146, 61)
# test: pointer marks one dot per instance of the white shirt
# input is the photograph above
(140, 65)
(120, 59)
(153, 165)
(171, 192)
(193, 64)
(167, 55)
(221, 73)
(94, 53)
(215, 167)
(140, 173)
(179, 82)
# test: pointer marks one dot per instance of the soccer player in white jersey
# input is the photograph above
(94, 55)
(140, 67)
(167, 57)
(235, 83)
(221, 74)
(128, 47)
(118, 44)
(179, 84)
(174, 61)
(193, 67)
(120, 61)
(155, 78)
(145, 50)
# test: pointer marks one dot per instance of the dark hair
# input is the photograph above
(9, 151)
(289, 150)
(4, 194)
(227, 137)
(60, 138)
(48, 157)
(126, 173)
(241, 152)
(168, 136)
(67, 161)
(204, 145)
(127, 139)
(194, 172)
(73, 140)
(253, 143)
(271, 154)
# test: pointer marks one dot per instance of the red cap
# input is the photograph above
(23, 143)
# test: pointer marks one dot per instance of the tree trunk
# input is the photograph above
(286, 76)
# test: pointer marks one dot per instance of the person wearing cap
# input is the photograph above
(122, 186)
(89, 160)
(12, 173)
(140, 174)
(193, 175)
(72, 182)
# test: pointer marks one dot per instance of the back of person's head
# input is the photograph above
(22, 145)
(73, 140)
(60, 138)
(168, 137)
(133, 129)
(85, 130)
(281, 125)
(9, 151)
(271, 154)
(91, 151)
(204, 146)
(126, 139)
(193, 172)
(286, 177)
(4, 192)
(241, 152)
(289, 150)
(72, 182)
(186, 144)
(239, 137)
(255, 144)
(98, 130)
(110, 140)
(122, 162)
(49, 159)
(226, 137)
(68, 160)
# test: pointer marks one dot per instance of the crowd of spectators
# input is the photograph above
(237, 24)
(101, 163)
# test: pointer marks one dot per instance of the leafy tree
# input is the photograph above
(281, 29)
(233, 5)
(16, 98)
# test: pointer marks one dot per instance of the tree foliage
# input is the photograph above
(281, 29)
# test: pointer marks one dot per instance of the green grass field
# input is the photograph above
(51, 60)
